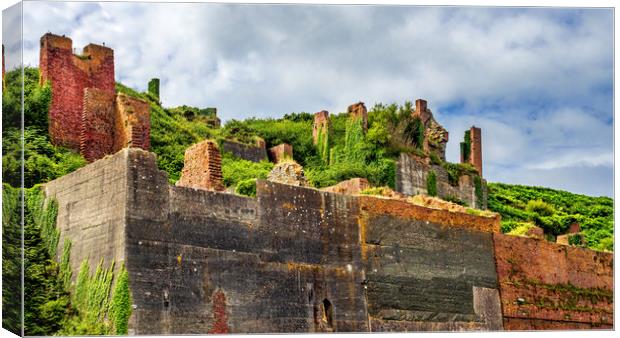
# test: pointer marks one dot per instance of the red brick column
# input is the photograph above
(476, 149)
(321, 124)
(358, 110)
(203, 167)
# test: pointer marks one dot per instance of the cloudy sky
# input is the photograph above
(538, 81)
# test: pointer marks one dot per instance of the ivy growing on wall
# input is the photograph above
(466, 145)
(431, 183)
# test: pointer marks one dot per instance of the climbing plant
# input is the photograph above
(431, 183)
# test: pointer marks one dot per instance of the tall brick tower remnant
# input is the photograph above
(86, 114)
(68, 75)
(358, 110)
(471, 149)
(321, 125)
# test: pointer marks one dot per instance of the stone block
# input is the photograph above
(281, 152)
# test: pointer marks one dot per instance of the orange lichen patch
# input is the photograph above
(520, 324)
(403, 209)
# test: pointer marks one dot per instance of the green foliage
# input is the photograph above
(455, 200)
(11, 259)
(466, 145)
(554, 211)
(431, 183)
(540, 207)
(236, 170)
(521, 228)
(376, 191)
(153, 87)
(47, 301)
(246, 187)
(42, 161)
(456, 170)
(120, 305)
(479, 192)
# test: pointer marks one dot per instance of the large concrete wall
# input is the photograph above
(245, 151)
(292, 259)
(546, 286)
(92, 204)
(423, 274)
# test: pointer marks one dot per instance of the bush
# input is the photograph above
(540, 207)
(236, 170)
(246, 187)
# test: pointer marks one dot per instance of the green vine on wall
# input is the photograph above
(431, 183)
(466, 146)
(479, 192)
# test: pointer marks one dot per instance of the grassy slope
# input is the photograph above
(594, 214)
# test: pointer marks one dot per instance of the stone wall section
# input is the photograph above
(411, 177)
(546, 286)
(353, 186)
(435, 136)
(92, 212)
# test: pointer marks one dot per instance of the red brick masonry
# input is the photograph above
(545, 286)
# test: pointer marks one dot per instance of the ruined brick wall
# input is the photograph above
(546, 286)
(202, 167)
(132, 123)
(248, 152)
(281, 152)
(411, 177)
(358, 110)
(69, 75)
(97, 134)
(321, 125)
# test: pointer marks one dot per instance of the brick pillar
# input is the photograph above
(420, 105)
(321, 123)
(475, 157)
(203, 167)
(358, 110)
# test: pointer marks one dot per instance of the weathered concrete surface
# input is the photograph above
(297, 259)
(411, 179)
(421, 275)
(247, 152)
(92, 210)
(352, 186)
(548, 286)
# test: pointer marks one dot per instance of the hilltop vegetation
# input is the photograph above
(554, 211)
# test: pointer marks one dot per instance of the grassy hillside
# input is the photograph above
(554, 211)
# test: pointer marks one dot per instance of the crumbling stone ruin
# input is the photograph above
(202, 167)
(288, 172)
(435, 136)
(297, 259)
(86, 114)
(350, 187)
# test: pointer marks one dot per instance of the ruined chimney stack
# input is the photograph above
(358, 110)
(321, 125)
(475, 153)
(420, 105)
